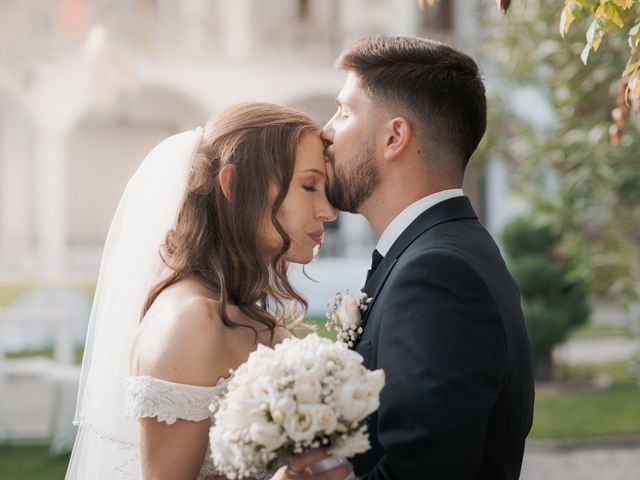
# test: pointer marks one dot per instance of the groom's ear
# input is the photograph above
(397, 134)
(225, 177)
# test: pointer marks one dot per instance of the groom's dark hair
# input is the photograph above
(440, 87)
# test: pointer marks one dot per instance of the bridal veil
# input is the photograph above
(107, 444)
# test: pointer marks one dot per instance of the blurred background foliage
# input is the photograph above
(568, 171)
(553, 304)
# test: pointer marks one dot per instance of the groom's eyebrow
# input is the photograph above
(342, 104)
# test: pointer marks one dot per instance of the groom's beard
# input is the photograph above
(354, 180)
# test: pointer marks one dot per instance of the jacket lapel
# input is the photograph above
(457, 208)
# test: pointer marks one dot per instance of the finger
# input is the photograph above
(289, 474)
(300, 462)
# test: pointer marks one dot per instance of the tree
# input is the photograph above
(553, 304)
(605, 16)
(567, 170)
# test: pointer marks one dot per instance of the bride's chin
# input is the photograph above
(302, 258)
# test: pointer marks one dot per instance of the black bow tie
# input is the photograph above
(376, 258)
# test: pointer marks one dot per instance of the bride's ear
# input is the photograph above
(225, 177)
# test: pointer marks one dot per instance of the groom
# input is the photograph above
(445, 323)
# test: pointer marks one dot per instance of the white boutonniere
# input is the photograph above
(345, 315)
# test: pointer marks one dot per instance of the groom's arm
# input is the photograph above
(442, 347)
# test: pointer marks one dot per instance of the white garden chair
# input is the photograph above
(59, 371)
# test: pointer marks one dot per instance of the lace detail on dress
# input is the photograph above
(146, 396)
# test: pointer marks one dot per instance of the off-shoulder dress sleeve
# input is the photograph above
(147, 396)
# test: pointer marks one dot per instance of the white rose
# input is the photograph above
(309, 366)
(375, 380)
(280, 405)
(326, 418)
(267, 434)
(354, 444)
(375, 383)
(263, 390)
(237, 418)
(349, 314)
(353, 367)
(302, 424)
(222, 450)
(373, 402)
(353, 402)
(307, 390)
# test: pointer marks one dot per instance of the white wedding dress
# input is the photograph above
(146, 396)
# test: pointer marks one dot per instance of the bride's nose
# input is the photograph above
(325, 211)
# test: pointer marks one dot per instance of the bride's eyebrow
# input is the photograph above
(314, 170)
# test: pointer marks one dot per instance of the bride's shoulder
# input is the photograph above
(180, 338)
(184, 311)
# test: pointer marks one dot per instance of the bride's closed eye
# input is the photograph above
(310, 188)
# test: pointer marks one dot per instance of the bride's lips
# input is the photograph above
(317, 236)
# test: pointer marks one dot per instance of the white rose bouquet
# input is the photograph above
(301, 395)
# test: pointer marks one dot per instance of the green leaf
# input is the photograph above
(589, 5)
(596, 32)
(634, 84)
(624, 4)
(594, 37)
(634, 35)
(631, 67)
(566, 19)
(613, 13)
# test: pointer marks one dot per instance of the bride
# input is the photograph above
(194, 267)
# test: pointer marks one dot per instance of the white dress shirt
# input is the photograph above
(409, 214)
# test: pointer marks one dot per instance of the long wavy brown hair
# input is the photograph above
(215, 239)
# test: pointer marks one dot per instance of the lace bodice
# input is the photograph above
(146, 396)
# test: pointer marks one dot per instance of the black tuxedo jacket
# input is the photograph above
(447, 328)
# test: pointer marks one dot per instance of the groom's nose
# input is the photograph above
(327, 133)
(327, 143)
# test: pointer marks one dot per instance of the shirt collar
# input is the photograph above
(409, 214)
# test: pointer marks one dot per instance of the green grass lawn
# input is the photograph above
(581, 414)
(11, 290)
(318, 326)
(45, 352)
(576, 409)
(618, 372)
(31, 463)
(591, 330)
